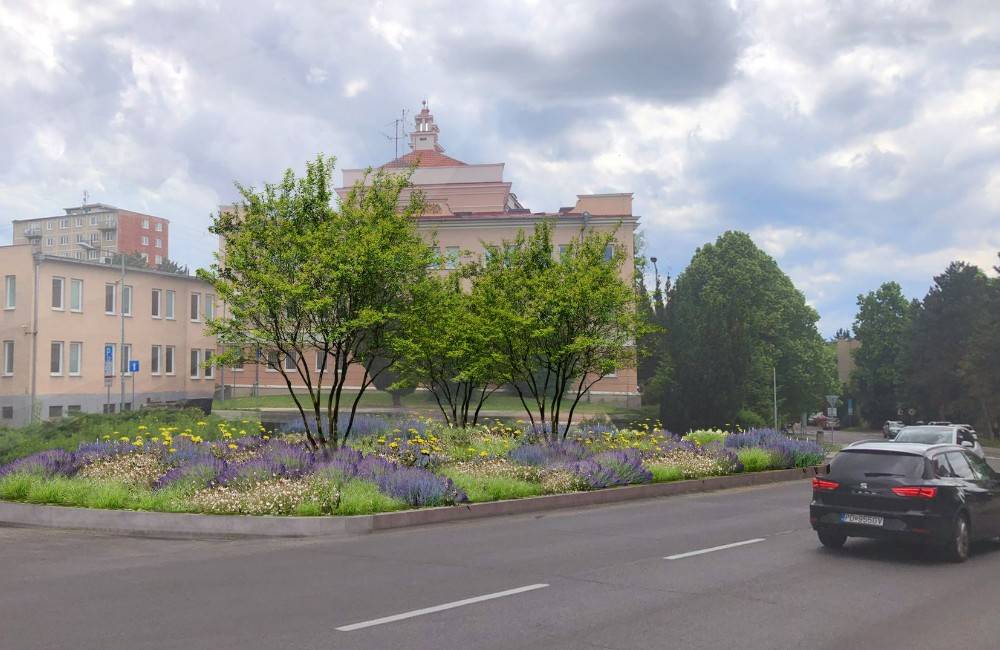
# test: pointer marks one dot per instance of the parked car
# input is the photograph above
(939, 434)
(891, 428)
(935, 494)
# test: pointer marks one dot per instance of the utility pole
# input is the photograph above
(121, 353)
(774, 380)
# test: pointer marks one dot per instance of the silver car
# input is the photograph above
(942, 435)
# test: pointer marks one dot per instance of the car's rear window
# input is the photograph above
(870, 464)
(925, 436)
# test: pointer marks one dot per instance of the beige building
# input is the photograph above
(470, 207)
(61, 320)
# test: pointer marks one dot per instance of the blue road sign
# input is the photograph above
(133, 365)
(109, 363)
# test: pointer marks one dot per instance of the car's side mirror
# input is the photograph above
(967, 443)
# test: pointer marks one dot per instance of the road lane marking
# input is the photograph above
(681, 556)
(439, 608)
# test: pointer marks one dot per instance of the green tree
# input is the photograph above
(300, 275)
(733, 318)
(448, 348)
(842, 334)
(980, 365)
(170, 266)
(882, 326)
(388, 379)
(563, 322)
(942, 331)
(651, 308)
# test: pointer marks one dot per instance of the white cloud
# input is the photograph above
(355, 87)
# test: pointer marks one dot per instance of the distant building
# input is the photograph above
(59, 317)
(845, 358)
(96, 230)
(470, 207)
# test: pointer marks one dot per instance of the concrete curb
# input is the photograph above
(184, 525)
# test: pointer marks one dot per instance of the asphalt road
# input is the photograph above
(593, 578)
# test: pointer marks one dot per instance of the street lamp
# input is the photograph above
(121, 311)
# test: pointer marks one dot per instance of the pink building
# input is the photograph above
(471, 206)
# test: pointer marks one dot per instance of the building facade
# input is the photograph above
(469, 207)
(61, 323)
(95, 231)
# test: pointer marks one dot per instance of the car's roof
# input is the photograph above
(941, 427)
(913, 448)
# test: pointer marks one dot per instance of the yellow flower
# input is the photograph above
(394, 444)
(137, 443)
(483, 454)
(171, 450)
(227, 435)
(106, 437)
(232, 446)
(141, 427)
(124, 438)
(425, 452)
(201, 423)
(265, 437)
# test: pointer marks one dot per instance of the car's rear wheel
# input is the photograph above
(957, 549)
(831, 539)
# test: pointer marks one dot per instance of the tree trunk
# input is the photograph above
(397, 400)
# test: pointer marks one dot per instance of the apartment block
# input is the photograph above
(95, 231)
(61, 350)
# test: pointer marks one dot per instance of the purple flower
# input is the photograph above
(610, 468)
(195, 473)
(54, 462)
(548, 454)
(787, 452)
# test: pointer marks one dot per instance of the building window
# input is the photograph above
(79, 221)
(154, 360)
(109, 298)
(109, 408)
(56, 359)
(145, 240)
(57, 293)
(145, 224)
(159, 243)
(609, 252)
(109, 235)
(451, 255)
(159, 226)
(195, 364)
(50, 241)
(238, 364)
(320, 361)
(73, 409)
(195, 306)
(155, 309)
(64, 223)
(95, 237)
(159, 260)
(48, 225)
(55, 411)
(127, 300)
(93, 219)
(79, 238)
(126, 358)
(7, 412)
(10, 291)
(168, 360)
(75, 356)
(209, 306)
(290, 364)
(272, 361)
(63, 240)
(8, 358)
(75, 294)
(209, 368)
(169, 306)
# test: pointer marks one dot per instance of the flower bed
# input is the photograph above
(394, 466)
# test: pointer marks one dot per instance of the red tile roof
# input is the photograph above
(424, 158)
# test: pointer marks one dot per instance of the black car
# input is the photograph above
(940, 494)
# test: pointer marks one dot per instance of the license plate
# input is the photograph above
(866, 520)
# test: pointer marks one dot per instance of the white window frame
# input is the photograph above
(76, 282)
(52, 357)
(159, 226)
(78, 346)
(195, 360)
(114, 298)
(145, 240)
(61, 294)
(145, 224)
(159, 243)
(208, 309)
(156, 360)
(292, 359)
(170, 354)
(195, 306)
(10, 292)
(155, 308)
(169, 304)
(209, 369)
(127, 294)
(159, 260)
(7, 370)
(126, 357)
(268, 367)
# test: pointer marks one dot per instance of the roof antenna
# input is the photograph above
(398, 130)
(86, 195)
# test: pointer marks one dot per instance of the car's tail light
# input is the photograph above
(915, 492)
(823, 484)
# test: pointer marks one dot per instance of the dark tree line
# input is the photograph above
(939, 357)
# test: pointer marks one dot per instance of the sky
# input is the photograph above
(857, 142)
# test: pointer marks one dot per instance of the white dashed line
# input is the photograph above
(438, 608)
(681, 556)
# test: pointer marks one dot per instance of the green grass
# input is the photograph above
(493, 488)
(363, 498)
(68, 433)
(666, 473)
(704, 437)
(755, 459)
(420, 401)
(85, 493)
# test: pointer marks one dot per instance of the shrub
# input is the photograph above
(495, 488)
(747, 419)
(665, 473)
(363, 498)
(194, 475)
(55, 462)
(703, 437)
(756, 459)
(545, 454)
(786, 451)
(612, 468)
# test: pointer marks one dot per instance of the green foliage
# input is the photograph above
(68, 433)
(746, 419)
(300, 275)
(86, 493)
(881, 326)
(494, 488)
(363, 498)
(755, 459)
(703, 437)
(561, 322)
(666, 473)
(732, 317)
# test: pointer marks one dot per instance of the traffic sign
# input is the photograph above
(109, 360)
(133, 366)
(832, 400)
